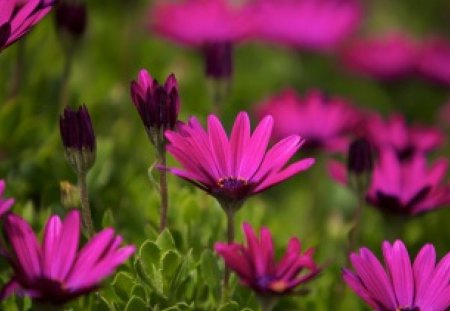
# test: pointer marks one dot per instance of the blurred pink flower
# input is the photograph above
(444, 115)
(17, 17)
(405, 139)
(398, 187)
(5, 204)
(232, 169)
(257, 268)
(211, 25)
(389, 56)
(56, 271)
(434, 62)
(400, 284)
(307, 24)
(323, 122)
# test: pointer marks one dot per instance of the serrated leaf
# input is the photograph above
(150, 253)
(229, 306)
(183, 272)
(102, 304)
(122, 284)
(210, 271)
(136, 304)
(165, 241)
(170, 262)
(139, 291)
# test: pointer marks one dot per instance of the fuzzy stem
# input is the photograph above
(163, 188)
(357, 218)
(230, 238)
(65, 78)
(267, 303)
(85, 209)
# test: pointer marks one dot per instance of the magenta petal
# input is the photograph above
(235, 259)
(256, 148)
(220, 145)
(423, 268)
(355, 284)
(50, 244)
(67, 248)
(10, 288)
(374, 278)
(400, 270)
(437, 285)
(240, 135)
(287, 173)
(25, 246)
(338, 172)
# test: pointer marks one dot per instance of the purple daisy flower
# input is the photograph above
(257, 268)
(401, 285)
(400, 187)
(57, 271)
(232, 169)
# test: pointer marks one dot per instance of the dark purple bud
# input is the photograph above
(76, 129)
(157, 105)
(71, 18)
(218, 60)
(5, 32)
(360, 157)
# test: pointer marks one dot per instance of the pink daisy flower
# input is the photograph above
(256, 266)
(232, 169)
(323, 122)
(401, 285)
(56, 271)
(307, 24)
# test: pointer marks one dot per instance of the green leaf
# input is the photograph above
(229, 306)
(139, 291)
(122, 284)
(102, 304)
(165, 241)
(150, 253)
(108, 219)
(170, 261)
(209, 269)
(136, 304)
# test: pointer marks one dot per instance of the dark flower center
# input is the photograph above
(408, 309)
(232, 187)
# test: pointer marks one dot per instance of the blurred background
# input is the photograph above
(108, 56)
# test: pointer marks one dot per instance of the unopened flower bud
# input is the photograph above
(78, 138)
(157, 105)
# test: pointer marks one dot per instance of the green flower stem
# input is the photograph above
(18, 74)
(354, 233)
(37, 306)
(85, 209)
(65, 78)
(163, 188)
(230, 212)
(267, 303)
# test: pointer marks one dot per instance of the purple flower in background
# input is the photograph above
(400, 285)
(434, 62)
(404, 139)
(158, 105)
(388, 56)
(444, 115)
(211, 25)
(307, 24)
(400, 187)
(256, 266)
(5, 204)
(17, 17)
(232, 169)
(71, 18)
(57, 271)
(323, 122)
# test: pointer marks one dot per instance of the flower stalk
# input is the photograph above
(163, 186)
(85, 207)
